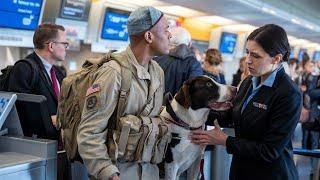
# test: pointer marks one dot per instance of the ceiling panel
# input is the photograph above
(235, 10)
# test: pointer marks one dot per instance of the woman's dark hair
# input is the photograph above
(273, 39)
(213, 57)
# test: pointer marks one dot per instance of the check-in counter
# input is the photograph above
(23, 158)
(217, 161)
(26, 158)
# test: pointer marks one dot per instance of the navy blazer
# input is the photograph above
(20, 81)
(262, 147)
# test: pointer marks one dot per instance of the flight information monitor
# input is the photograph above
(20, 14)
(300, 54)
(291, 52)
(228, 42)
(115, 26)
(75, 9)
(316, 55)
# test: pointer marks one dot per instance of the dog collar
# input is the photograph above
(175, 119)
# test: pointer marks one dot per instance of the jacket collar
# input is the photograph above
(269, 81)
(43, 74)
(151, 73)
(142, 72)
(181, 52)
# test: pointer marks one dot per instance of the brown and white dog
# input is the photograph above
(189, 110)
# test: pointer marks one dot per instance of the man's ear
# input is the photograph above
(50, 48)
(277, 58)
(148, 36)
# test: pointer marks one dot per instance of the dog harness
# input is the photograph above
(175, 119)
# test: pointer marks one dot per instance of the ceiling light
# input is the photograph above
(240, 27)
(310, 26)
(139, 2)
(180, 11)
(300, 42)
(295, 21)
(311, 45)
(217, 20)
(268, 10)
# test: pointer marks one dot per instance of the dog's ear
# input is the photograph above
(183, 95)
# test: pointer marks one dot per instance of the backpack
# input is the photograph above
(6, 72)
(72, 99)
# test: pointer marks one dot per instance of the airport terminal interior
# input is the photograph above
(95, 27)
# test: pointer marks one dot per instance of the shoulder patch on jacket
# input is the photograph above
(93, 89)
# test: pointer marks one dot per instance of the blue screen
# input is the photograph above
(115, 26)
(20, 14)
(316, 55)
(291, 52)
(228, 42)
(3, 104)
(300, 55)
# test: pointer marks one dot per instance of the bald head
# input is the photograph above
(180, 36)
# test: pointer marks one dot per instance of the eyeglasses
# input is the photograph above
(66, 44)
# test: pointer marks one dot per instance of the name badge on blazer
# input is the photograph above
(259, 105)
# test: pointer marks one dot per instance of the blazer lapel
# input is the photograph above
(245, 94)
(45, 77)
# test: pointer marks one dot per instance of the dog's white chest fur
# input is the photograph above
(184, 152)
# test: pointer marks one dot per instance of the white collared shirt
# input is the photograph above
(48, 67)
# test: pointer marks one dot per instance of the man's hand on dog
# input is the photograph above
(210, 137)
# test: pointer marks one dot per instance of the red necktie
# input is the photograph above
(54, 82)
(56, 90)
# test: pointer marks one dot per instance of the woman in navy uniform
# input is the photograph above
(265, 112)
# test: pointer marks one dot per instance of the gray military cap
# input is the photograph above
(143, 19)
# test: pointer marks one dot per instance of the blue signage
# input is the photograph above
(20, 14)
(291, 52)
(316, 56)
(228, 42)
(300, 54)
(115, 26)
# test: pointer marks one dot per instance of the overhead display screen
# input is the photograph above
(316, 56)
(115, 26)
(300, 54)
(228, 42)
(20, 14)
(75, 9)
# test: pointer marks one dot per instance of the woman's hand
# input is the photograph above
(211, 137)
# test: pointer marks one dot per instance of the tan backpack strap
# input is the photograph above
(126, 79)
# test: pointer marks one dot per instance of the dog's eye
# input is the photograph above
(209, 84)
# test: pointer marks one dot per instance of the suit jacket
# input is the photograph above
(20, 81)
(262, 147)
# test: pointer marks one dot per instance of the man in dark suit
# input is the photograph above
(50, 45)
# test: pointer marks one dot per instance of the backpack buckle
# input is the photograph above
(123, 94)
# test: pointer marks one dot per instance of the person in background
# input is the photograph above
(242, 72)
(212, 65)
(310, 112)
(294, 69)
(197, 53)
(50, 45)
(181, 63)
(264, 114)
(149, 35)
